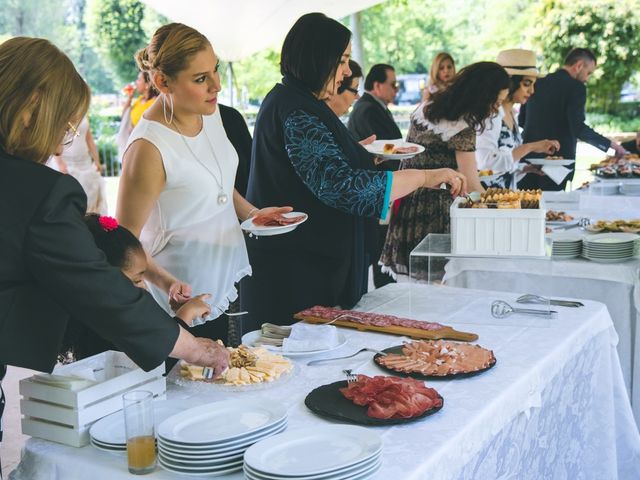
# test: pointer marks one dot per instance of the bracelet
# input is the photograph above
(254, 209)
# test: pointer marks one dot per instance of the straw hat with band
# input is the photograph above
(517, 61)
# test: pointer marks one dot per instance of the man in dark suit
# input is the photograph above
(556, 110)
(370, 116)
(238, 134)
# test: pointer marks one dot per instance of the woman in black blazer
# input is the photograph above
(50, 268)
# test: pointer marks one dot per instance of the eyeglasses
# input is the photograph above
(352, 90)
(70, 135)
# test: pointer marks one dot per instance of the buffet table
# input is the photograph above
(616, 285)
(554, 405)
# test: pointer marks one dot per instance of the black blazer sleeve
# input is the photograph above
(62, 256)
(576, 117)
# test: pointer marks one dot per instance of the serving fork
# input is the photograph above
(351, 377)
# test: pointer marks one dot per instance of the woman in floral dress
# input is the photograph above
(446, 127)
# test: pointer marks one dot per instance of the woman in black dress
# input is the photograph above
(304, 156)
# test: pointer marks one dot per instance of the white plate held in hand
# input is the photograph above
(264, 231)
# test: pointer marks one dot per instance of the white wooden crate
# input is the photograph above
(64, 415)
(493, 231)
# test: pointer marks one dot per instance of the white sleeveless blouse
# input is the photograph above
(188, 233)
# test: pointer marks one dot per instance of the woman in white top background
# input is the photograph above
(177, 187)
(499, 146)
(80, 159)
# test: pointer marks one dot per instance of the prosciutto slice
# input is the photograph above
(392, 397)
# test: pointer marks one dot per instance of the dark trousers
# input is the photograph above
(533, 181)
(3, 371)
(380, 279)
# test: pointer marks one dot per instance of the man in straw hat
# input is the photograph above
(556, 110)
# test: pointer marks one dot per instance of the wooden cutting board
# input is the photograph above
(441, 333)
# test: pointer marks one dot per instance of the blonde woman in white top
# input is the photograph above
(177, 187)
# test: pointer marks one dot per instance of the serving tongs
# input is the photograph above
(537, 299)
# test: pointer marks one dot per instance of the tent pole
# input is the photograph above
(356, 39)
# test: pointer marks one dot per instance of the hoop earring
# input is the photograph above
(164, 108)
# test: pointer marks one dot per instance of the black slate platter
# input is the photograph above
(418, 376)
(327, 401)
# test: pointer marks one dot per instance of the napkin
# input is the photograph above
(305, 338)
(81, 378)
(557, 174)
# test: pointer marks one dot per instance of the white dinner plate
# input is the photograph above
(220, 449)
(490, 178)
(609, 238)
(358, 470)
(197, 463)
(562, 223)
(377, 146)
(264, 231)
(251, 337)
(110, 429)
(105, 448)
(313, 451)
(221, 422)
(543, 162)
(202, 472)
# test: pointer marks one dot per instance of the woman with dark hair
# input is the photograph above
(347, 92)
(499, 147)
(446, 126)
(304, 156)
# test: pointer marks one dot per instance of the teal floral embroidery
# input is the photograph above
(322, 166)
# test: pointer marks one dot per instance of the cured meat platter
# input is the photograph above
(328, 401)
(438, 359)
(383, 323)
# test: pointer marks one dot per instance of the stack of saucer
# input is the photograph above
(566, 245)
(108, 433)
(330, 452)
(211, 439)
(610, 247)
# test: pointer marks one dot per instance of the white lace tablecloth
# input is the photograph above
(553, 407)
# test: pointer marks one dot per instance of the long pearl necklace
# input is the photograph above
(223, 198)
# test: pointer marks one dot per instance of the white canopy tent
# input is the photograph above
(240, 28)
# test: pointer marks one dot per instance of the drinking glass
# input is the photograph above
(139, 427)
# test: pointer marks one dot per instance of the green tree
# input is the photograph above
(610, 29)
(116, 31)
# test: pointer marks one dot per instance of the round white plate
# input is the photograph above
(220, 449)
(221, 422)
(251, 337)
(543, 162)
(108, 449)
(355, 471)
(262, 231)
(201, 472)
(197, 463)
(377, 146)
(610, 238)
(313, 451)
(110, 429)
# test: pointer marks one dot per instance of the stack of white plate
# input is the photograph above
(211, 439)
(108, 433)
(330, 452)
(632, 189)
(610, 247)
(566, 245)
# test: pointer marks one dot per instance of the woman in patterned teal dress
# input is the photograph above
(304, 155)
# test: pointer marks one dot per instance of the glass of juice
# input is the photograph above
(139, 426)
